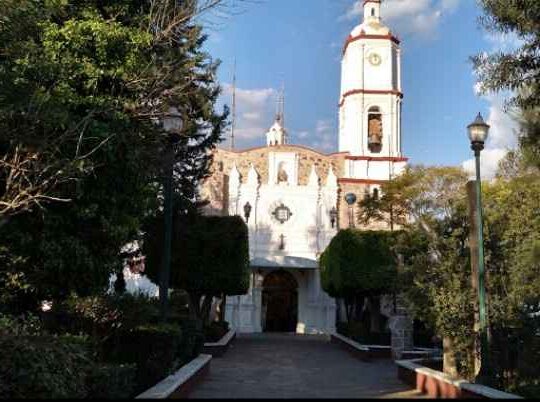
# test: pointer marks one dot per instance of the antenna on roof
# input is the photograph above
(280, 110)
(233, 124)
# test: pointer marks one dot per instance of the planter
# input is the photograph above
(181, 383)
(218, 349)
(436, 384)
(363, 352)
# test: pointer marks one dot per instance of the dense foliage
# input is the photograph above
(516, 70)
(357, 265)
(84, 87)
(210, 257)
(437, 265)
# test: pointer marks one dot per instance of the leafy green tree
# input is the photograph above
(210, 257)
(518, 70)
(356, 265)
(84, 88)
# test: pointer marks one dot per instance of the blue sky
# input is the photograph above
(299, 42)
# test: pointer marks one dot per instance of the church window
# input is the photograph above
(375, 129)
(376, 194)
(373, 12)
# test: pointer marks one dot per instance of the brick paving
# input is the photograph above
(292, 366)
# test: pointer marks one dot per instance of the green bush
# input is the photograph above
(42, 367)
(154, 349)
(192, 340)
(359, 263)
(112, 381)
(215, 331)
(359, 332)
(24, 325)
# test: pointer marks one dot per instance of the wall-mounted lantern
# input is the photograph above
(333, 217)
(247, 211)
(350, 199)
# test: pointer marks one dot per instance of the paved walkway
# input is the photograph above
(289, 366)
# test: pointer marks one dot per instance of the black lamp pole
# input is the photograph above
(173, 125)
(478, 133)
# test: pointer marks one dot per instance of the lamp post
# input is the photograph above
(478, 133)
(172, 124)
(350, 199)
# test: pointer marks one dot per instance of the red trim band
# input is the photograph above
(352, 39)
(376, 158)
(370, 92)
(361, 181)
(372, 1)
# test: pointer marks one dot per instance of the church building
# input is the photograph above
(295, 199)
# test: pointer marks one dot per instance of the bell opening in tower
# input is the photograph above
(375, 130)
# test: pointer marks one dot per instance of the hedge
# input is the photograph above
(359, 262)
(210, 255)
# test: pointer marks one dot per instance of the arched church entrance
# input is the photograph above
(280, 302)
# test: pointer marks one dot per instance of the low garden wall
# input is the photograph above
(436, 384)
(181, 383)
(218, 349)
(363, 352)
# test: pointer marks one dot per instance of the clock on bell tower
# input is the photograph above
(371, 94)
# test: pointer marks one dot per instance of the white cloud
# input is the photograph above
(325, 136)
(489, 163)
(502, 138)
(255, 109)
(503, 135)
(409, 16)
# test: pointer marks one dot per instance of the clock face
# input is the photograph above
(375, 59)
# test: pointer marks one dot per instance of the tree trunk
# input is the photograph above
(359, 302)
(222, 307)
(449, 357)
(205, 309)
(375, 314)
(194, 306)
(348, 308)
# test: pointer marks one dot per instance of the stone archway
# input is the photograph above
(279, 302)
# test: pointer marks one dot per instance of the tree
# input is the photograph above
(356, 265)
(517, 71)
(210, 258)
(84, 88)
(430, 205)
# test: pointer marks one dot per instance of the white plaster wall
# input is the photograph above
(307, 234)
(374, 170)
(354, 124)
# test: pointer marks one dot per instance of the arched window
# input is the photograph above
(376, 194)
(373, 12)
(375, 129)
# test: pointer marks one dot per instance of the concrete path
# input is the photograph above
(290, 366)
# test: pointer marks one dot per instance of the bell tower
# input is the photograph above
(371, 93)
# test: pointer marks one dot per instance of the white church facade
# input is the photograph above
(295, 199)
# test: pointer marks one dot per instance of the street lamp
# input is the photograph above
(478, 133)
(350, 199)
(173, 125)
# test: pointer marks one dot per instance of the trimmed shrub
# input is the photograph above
(43, 367)
(112, 381)
(215, 331)
(210, 258)
(153, 349)
(192, 340)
